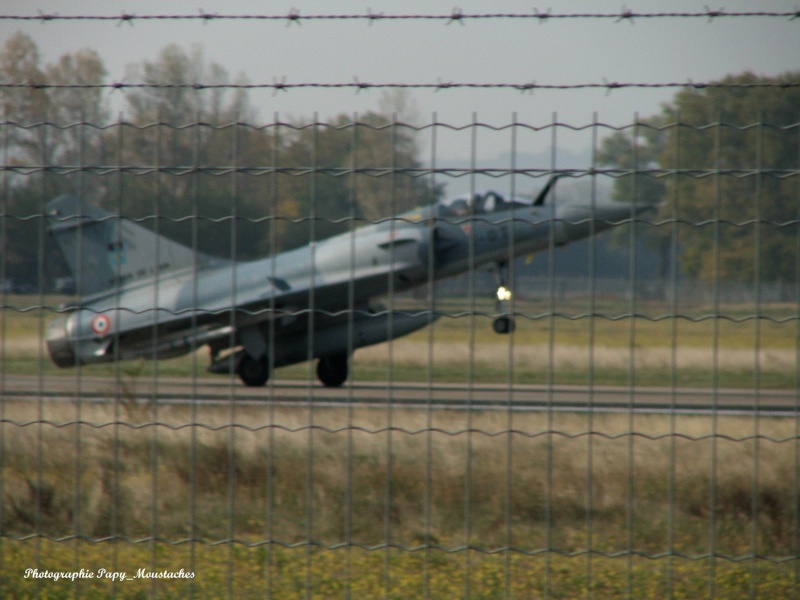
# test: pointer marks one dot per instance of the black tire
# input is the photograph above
(254, 372)
(333, 370)
(504, 325)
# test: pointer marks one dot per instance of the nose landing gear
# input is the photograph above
(503, 324)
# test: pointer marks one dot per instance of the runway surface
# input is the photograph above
(173, 390)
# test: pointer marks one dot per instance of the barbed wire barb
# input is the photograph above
(456, 15)
(542, 16)
(126, 18)
(374, 16)
(293, 17)
(626, 14)
(207, 17)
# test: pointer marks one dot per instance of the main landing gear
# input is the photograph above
(504, 324)
(254, 367)
(254, 372)
(331, 370)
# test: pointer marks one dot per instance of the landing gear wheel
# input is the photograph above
(333, 370)
(504, 325)
(254, 372)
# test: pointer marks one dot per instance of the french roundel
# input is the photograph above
(101, 325)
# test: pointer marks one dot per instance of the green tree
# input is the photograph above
(738, 147)
(722, 162)
(53, 123)
(46, 127)
(189, 126)
(364, 167)
(635, 153)
(300, 180)
(183, 88)
(191, 162)
(28, 103)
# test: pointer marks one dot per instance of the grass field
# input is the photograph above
(732, 346)
(376, 503)
(387, 504)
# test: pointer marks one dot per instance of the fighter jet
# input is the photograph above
(147, 296)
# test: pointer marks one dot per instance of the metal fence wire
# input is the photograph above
(288, 358)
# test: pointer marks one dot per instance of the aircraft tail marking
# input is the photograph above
(105, 251)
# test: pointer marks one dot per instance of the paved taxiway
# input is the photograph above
(173, 390)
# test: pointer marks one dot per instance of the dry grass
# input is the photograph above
(607, 482)
(545, 485)
(539, 356)
(652, 342)
(419, 353)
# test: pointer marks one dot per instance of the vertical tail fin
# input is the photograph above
(105, 251)
(546, 190)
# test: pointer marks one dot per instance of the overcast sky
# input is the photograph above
(557, 52)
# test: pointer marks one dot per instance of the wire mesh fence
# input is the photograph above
(296, 358)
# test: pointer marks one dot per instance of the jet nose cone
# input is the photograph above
(581, 220)
(614, 213)
(58, 346)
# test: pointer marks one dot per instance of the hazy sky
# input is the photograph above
(559, 52)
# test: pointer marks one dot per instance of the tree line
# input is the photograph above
(721, 161)
(192, 162)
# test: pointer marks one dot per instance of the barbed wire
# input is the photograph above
(283, 86)
(457, 15)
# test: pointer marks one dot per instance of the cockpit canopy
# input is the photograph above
(481, 203)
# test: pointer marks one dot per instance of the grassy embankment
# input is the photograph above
(699, 348)
(556, 503)
(550, 503)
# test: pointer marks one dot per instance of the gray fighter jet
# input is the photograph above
(147, 296)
